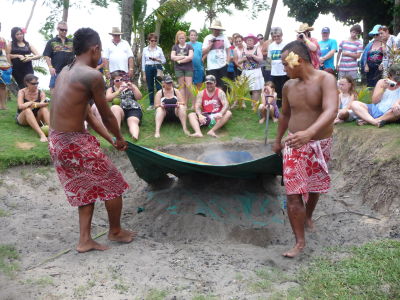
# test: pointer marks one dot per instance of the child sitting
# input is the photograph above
(268, 98)
(347, 95)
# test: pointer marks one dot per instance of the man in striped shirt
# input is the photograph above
(349, 52)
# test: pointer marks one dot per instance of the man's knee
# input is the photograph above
(228, 115)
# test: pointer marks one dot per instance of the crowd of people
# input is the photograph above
(218, 56)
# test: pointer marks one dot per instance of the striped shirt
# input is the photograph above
(348, 63)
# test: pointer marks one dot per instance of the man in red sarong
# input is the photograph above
(309, 107)
(86, 174)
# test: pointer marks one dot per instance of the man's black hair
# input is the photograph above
(299, 48)
(84, 38)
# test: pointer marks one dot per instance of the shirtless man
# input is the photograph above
(211, 107)
(309, 108)
(86, 174)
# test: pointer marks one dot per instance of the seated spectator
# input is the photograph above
(385, 97)
(21, 53)
(5, 72)
(350, 51)
(169, 106)
(125, 95)
(304, 35)
(32, 106)
(268, 100)
(212, 109)
(347, 94)
(372, 58)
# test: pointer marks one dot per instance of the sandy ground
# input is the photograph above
(194, 238)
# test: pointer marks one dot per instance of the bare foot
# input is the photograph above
(43, 139)
(89, 246)
(310, 226)
(123, 236)
(156, 135)
(212, 133)
(296, 250)
(187, 132)
(361, 122)
(262, 121)
(196, 135)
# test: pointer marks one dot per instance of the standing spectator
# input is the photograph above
(198, 68)
(371, 60)
(58, 53)
(251, 58)
(118, 55)
(152, 60)
(391, 47)
(349, 52)
(231, 60)
(182, 55)
(32, 106)
(266, 65)
(304, 35)
(21, 53)
(328, 48)
(278, 73)
(216, 46)
(5, 72)
(238, 50)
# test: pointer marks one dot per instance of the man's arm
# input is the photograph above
(130, 65)
(284, 118)
(97, 126)
(97, 90)
(225, 103)
(207, 45)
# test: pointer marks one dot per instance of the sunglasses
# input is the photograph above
(63, 30)
(117, 80)
(34, 83)
(153, 41)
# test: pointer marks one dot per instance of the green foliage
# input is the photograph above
(238, 90)
(8, 256)
(156, 295)
(369, 272)
(364, 94)
(203, 33)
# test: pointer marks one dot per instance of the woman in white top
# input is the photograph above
(251, 57)
(152, 60)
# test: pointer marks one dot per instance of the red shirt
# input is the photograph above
(315, 54)
(211, 104)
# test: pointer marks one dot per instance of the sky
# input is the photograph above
(103, 19)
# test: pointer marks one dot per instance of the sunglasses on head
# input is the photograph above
(63, 30)
(34, 83)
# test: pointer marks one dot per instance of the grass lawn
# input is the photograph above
(244, 124)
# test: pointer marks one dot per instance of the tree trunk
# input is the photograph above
(159, 22)
(30, 15)
(126, 19)
(367, 27)
(65, 10)
(270, 19)
(396, 17)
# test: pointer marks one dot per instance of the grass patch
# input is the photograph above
(8, 257)
(265, 279)
(4, 213)
(42, 281)
(371, 272)
(205, 297)
(155, 294)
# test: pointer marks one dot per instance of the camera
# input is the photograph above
(213, 40)
(391, 83)
(301, 35)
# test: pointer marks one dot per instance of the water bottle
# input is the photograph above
(212, 123)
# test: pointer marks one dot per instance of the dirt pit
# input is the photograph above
(195, 237)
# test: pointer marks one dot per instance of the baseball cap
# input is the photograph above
(167, 79)
(211, 78)
(326, 30)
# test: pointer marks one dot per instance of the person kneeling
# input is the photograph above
(169, 106)
(212, 109)
(269, 96)
(124, 95)
(32, 106)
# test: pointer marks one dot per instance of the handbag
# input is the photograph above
(160, 73)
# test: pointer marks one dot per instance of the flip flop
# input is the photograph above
(382, 123)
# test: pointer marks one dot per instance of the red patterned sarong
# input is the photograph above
(305, 169)
(85, 172)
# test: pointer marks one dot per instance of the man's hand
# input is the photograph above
(120, 144)
(202, 119)
(277, 147)
(52, 71)
(217, 116)
(298, 139)
(380, 67)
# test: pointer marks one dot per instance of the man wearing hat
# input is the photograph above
(216, 47)
(328, 48)
(211, 109)
(304, 35)
(58, 52)
(118, 55)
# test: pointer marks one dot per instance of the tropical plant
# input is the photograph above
(364, 94)
(238, 90)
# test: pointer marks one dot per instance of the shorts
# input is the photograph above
(133, 112)
(35, 113)
(352, 116)
(5, 76)
(198, 76)
(352, 74)
(183, 73)
(53, 81)
(170, 115)
(210, 119)
(374, 111)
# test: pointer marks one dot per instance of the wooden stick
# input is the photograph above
(348, 212)
(62, 253)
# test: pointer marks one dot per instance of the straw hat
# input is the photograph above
(251, 36)
(115, 31)
(216, 24)
(304, 27)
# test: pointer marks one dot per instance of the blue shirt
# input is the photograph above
(327, 46)
(197, 55)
